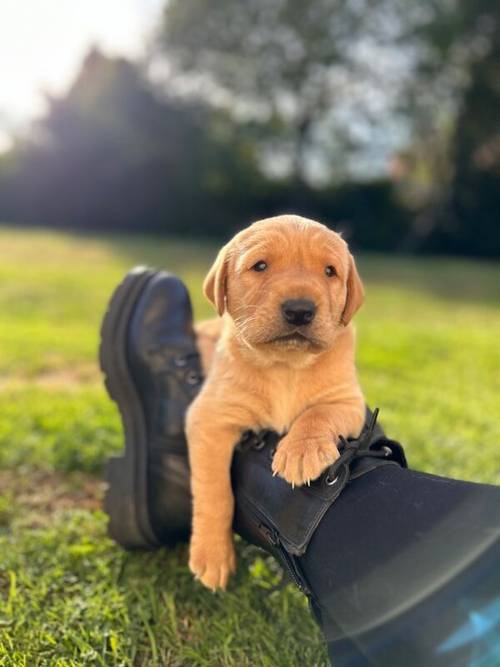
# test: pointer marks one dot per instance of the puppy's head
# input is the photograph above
(289, 284)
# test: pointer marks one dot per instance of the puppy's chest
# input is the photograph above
(284, 400)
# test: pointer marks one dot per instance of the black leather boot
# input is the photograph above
(152, 371)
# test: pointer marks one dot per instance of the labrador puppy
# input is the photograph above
(280, 357)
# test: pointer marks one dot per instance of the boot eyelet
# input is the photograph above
(260, 444)
(193, 377)
(329, 481)
(180, 361)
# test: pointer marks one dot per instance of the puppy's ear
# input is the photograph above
(214, 286)
(355, 293)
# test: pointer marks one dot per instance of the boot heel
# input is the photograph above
(120, 505)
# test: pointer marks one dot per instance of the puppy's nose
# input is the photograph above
(298, 311)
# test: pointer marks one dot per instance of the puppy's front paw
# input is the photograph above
(300, 461)
(212, 561)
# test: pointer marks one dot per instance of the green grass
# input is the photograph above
(73, 598)
(428, 357)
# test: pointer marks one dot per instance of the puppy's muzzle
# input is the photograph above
(298, 312)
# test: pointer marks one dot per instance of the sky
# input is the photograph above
(42, 43)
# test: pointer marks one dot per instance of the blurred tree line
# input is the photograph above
(378, 117)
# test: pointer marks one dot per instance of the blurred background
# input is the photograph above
(148, 132)
(194, 117)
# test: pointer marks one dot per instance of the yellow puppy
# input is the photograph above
(282, 358)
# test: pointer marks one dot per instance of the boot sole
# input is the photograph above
(126, 502)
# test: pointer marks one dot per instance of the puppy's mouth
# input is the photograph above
(294, 339)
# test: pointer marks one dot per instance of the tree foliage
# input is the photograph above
(455, 90)
(112, 154)
(298, 62)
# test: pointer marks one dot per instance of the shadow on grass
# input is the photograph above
(448, 278)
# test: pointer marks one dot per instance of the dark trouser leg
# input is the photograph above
(405, 569)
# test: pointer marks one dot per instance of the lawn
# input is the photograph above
(429, 357)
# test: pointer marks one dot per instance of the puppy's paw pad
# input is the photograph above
(301, 461)
(212, 563)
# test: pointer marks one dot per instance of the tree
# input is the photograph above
(451, 100)
(111, 153)
(295, 65)
(475, 200)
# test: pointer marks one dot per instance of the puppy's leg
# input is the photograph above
(211, 443)
(311, 444)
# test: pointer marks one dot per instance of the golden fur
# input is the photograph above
(261, 375)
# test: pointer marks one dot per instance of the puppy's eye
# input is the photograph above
(259, 266)
(330, 271)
